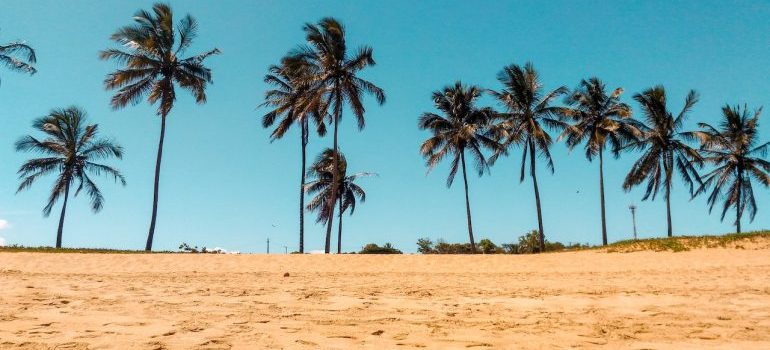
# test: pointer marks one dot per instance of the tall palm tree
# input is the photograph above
(732, 149)
(18, 56)
(348, 191)
(70, 150)
(598, 118)
(153, 67)
(664, 146)
(462, 127)
(288, 102)
(337, 82)
(528, 113)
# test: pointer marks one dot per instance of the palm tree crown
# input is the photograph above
(598, 118)
(18, 56)
(71, 150)
(528, 114)
(336, 81)
(664, 147)
(152, 65)
(732, 149)
(463, 126)
(289, 100)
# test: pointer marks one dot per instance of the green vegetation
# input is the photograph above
(685, 243)
(23, 249)
(527, 244)
(372, 248)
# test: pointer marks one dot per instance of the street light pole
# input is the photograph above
(632, 207)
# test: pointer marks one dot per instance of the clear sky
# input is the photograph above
(224, 184)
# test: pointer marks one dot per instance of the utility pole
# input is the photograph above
(286, 249)
(268, 245)
(632, 207)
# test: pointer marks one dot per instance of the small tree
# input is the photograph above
(373, 248)
(425, 246)
(488, 247)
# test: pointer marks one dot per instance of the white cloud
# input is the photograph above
(3, 225)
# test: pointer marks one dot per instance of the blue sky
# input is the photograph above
(224, 184)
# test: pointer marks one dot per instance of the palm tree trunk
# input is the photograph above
(151, 234)
(467, 204)
(668, 206)
(327, 248)
(61, 217)
(339, 229)
(533, 173)
(302, 189)
(601, 194)
(739, 207)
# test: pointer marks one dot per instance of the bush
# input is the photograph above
(527, 244)
(373, 248)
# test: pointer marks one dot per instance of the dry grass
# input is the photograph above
(748, 240)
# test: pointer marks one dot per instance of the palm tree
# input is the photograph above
(463, 127)
(733, 150)
(528, 111)
(348, 191)
(288, 101)
(18, 56)
(598, 118)
(664, 146)
(152, 67)
(70, 150)
(337, 83)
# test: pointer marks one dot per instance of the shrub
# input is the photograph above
(373, 248)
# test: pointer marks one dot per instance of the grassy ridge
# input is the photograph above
(19, 249)
(685, 243)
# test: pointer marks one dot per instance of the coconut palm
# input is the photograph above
(70, 151)
(463, 127)
(18, 56)
(664, 148)
(598, 118)
(528, 114)
(153, 67)
(732, 149)
(348, 191)
(336, 82)
(288, 103)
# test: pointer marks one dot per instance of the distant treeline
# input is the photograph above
(527, 244)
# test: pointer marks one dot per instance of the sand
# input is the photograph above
(716, 298)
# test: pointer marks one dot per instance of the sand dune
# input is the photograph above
(717, 298)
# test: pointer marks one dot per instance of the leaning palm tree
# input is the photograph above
(288, 102)
(348, 191)
(337, 83)
(664, 146)
(528, 114)
(18, 56)
(598, 118)
(462, 128)
(70, 151)
(733, 150)
(153, 67)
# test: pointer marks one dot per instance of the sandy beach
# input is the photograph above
(715, 298)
